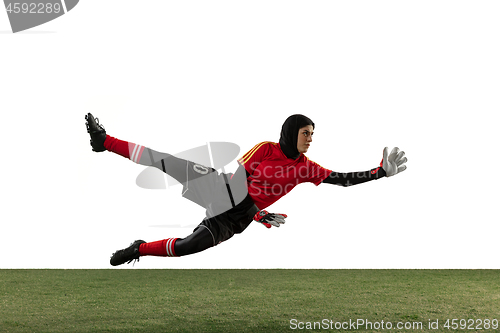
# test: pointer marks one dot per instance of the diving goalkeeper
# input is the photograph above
(266, 173)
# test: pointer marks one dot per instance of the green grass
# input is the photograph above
(239, 300)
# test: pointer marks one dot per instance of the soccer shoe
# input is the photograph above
(96, 131)
(126, 255)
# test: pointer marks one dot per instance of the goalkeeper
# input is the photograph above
(232, 201)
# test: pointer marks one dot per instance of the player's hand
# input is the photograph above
(269, 219)
(394, 162)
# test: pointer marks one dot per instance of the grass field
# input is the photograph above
(243, 300)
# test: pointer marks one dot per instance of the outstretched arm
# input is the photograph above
(390, 165)
(353, 178)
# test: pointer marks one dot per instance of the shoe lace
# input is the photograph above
(100, 125)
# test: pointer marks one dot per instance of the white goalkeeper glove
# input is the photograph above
(394, 162)
(268, 219)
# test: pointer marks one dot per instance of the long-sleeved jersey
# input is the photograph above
(272, 174)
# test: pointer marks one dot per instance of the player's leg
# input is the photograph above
(200, 240)
(171, 165)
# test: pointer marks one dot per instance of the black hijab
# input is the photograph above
(290, 132)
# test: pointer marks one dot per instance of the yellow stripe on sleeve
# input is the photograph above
(245, 158)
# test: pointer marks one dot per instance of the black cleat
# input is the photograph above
(96, 131)
(126, 255)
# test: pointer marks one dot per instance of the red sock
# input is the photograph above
(126, 149)
(162, 248)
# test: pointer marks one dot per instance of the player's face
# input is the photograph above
(305, 138)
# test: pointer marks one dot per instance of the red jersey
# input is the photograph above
(272, 174)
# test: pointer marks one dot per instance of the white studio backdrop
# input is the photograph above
(422, 76)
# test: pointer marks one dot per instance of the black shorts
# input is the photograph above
(225, 225)
(227, 212)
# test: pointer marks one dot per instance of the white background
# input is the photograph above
(172, 75)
